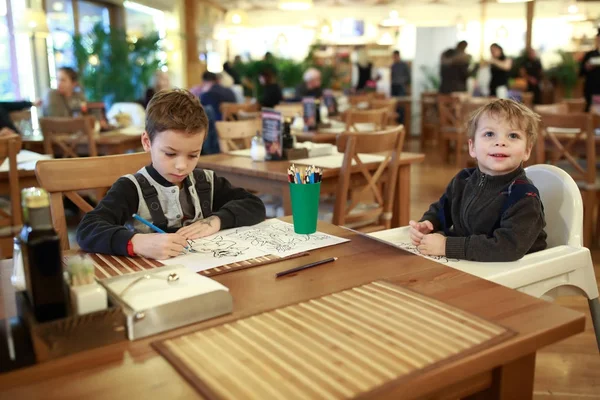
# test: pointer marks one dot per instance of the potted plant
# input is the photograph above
(565, 73)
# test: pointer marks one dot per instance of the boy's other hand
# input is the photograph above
(159, 246)
(433, 244)
(418, 230)
(201, 228)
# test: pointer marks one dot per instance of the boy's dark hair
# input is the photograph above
(175, 109)
(396, 53)
(516, 114)
(71, 73)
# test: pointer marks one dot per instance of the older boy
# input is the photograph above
(172, 193)
(492, 212)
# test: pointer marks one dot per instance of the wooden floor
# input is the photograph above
(568, 370)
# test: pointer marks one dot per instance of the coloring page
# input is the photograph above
(239, 244)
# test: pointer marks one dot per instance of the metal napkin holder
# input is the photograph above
(166, 298)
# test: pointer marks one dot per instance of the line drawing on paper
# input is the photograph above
(279, 238)
(413, 249)
(219, 247)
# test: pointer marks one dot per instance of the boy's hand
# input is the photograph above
(159, 246)
(433, 244)
(201, 228)
(418, 230)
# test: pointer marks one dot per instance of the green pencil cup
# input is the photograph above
(305, 206)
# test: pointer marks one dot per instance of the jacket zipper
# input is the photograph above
(480, 186)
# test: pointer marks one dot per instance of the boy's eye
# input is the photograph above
(170, 154)
(489, 134)
(514, 136)
(194, 155)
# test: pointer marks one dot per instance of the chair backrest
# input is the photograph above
(449, 112)
(67, 176)
(556, 108)
(18, 116)
(229, 110)
(377, 117)
(563, 206)
(387, 143)
(555, 143)
(360, 99)
(236, 135)
(10, 145)
(66, 134)
(389, 104)
(429, 109)
(290, 109)
(575, 105)
(134, 110)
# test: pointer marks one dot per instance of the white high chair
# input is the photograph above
(564, 268)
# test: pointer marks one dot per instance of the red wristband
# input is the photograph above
(130, 251)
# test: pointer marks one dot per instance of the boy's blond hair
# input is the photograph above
(175, 109)
(516, 114)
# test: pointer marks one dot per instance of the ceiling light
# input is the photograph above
(572, 9)
(32, 21)
(58, 6)
(236, 16)
(295, 5)
(513, 1)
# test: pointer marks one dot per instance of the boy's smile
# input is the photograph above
(174, 153)
(498, 148)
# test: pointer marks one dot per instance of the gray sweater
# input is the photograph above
(56, 105)
(471, 210)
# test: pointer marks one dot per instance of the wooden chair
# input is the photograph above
(575, 105)
(10, 222)
(236, 135)
(429, 118)
(390, 105)
(290, 110)
(376, 216)
(556, 108)
(377, 117)
(18, 116)
(67, 133)
(229, 111)
(357, 99)
(575, 152)
(451, 127)
(68, 176)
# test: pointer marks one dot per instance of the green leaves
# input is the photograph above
(113, 68)
(566, 72)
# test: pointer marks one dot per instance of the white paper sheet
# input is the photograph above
(234, 245)
(26, 160)
(335, 160)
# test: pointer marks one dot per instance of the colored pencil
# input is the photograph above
(303, 267)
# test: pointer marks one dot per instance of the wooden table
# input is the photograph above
(26, 179)
(133, 370)
(108, 143)
(271, 178)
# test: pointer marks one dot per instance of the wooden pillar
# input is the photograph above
(529, 6)
(193, 66)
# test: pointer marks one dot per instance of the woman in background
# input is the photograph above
(500, 66)
(67, 100)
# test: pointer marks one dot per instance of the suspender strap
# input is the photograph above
(203, 189)
(151, 198)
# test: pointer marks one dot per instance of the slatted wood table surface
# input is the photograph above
(134, 370)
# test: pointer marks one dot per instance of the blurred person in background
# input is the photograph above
(271, 91)
(532, 71)
(68, 99)
(500, 66)
(214, 94)
(400, 76)
(160, 81)
(590, 69)
(454, 69)
(311, 87)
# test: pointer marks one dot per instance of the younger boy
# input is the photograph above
(172, 193)
(492, 212)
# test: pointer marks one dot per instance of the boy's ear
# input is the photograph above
(527, 153)
(472, 152)
(146, 141)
